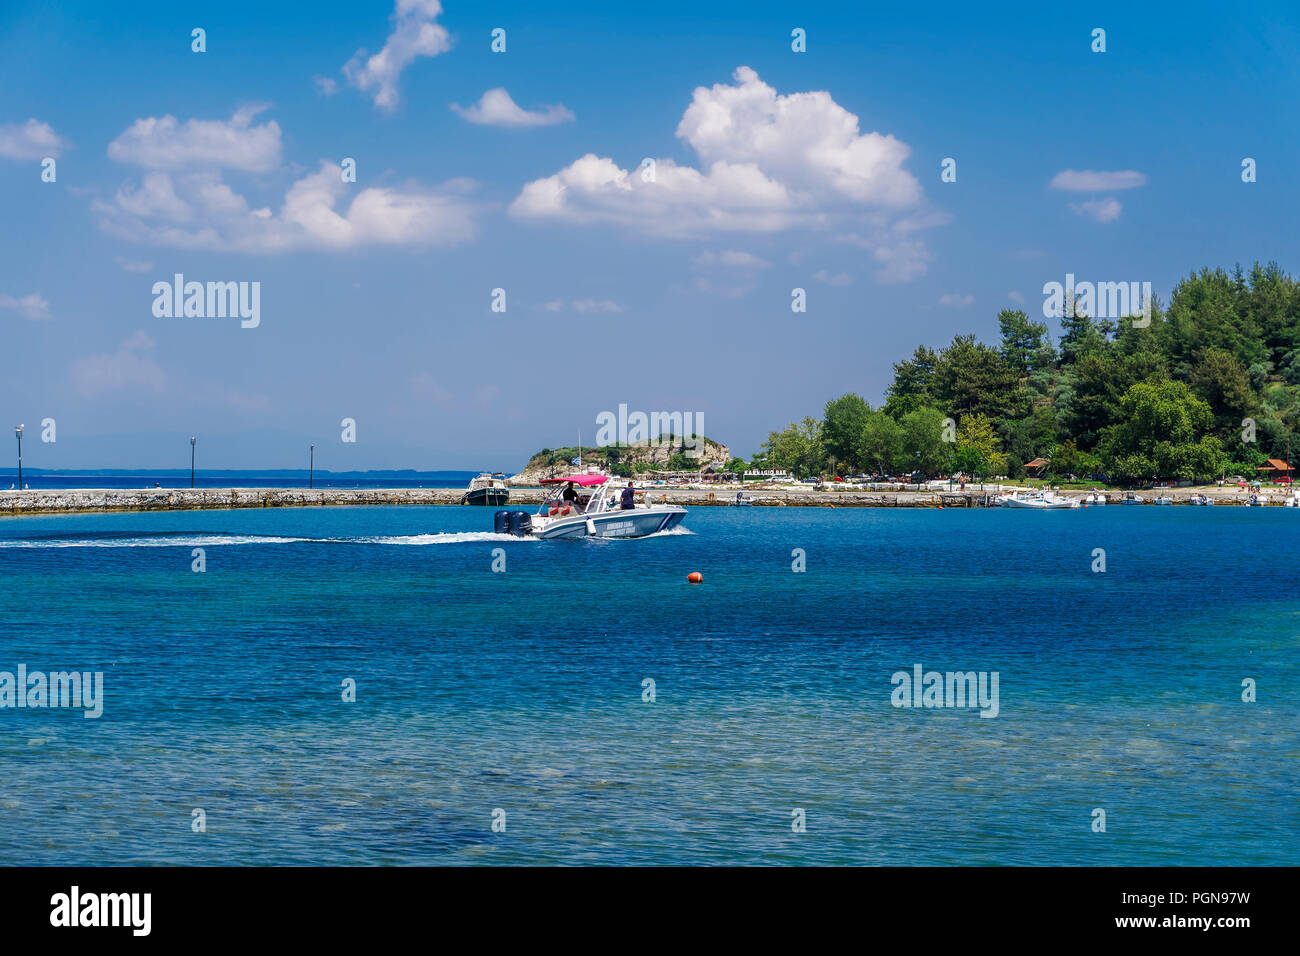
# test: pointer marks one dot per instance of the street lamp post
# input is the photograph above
(18, 431)
(192, 440)
(311, 472)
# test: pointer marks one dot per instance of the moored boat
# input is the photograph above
(1040, 501)
(487, 489)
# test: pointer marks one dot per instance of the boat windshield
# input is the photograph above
(590, 500)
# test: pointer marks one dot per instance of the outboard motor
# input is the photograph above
(501, 522)
(521, 524)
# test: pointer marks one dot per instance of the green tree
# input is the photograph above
(923, 448)
(1163, 432)
(842, 425)
(879, 442)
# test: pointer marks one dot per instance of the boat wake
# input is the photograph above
(153, 541)
(443, 537)
(226, 540)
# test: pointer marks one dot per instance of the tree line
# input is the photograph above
(1208, 386)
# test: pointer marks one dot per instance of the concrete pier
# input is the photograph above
(74, 501)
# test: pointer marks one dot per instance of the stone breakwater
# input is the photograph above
(73, 501)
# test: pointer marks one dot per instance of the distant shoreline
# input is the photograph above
(101, 500)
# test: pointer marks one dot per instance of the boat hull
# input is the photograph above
(636, 523)
(495, 497)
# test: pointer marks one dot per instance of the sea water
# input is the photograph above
(583, 703)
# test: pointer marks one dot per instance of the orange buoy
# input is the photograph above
(695, 577)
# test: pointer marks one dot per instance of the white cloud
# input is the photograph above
(496, 108)
(184, 202)
(839, 278)
(1099, 210)
(415, 34)
(731, 257)
(31, 306)
(30, 140)
(595, 306)
(900, 259)
(955, 299)
(584, 306)
(767, 163)
(134, 265)
(164, 143)
(325, 86)
(1015, 296)
(1088, 180)
(128, 367)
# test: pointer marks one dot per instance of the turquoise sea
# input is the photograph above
(522, 690)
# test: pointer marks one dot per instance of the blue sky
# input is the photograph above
(670, 296)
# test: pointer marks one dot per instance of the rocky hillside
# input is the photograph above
(636, 459)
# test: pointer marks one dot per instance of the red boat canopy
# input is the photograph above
(585, 481)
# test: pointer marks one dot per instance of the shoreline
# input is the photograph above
(107, 500)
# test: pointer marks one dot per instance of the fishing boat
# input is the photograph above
(1095, 498)
(592, 510)
(1203, 500)
(1132, 499)
(1164, 500)
(1040, 501)
(487, 489)
(741, 500)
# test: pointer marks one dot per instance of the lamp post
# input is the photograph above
(192, 440)
(311, 472)
(18, 432)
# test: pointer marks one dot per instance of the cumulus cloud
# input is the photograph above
(325, 86)
(129, 367)
(1088, 180)
(900, 259)
(30, 140)
(767, 162)
(164, 143)
(955, 299)
(415, 34)
(1098, 210)
(31, 306)
(584, 306)
(596, 306)
(838, 278)
(496, 108)
(183, 201)
(731, 257)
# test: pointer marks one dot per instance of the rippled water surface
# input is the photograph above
(523, 691)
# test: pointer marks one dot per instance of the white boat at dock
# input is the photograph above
(1038, 501)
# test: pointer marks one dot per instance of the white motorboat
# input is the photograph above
(1095, 498)
(1040, 501)
(587, 506)
(741, 500)
(1202, 500)
(1164, 500)
(1131, 499)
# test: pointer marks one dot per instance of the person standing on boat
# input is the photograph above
(626, 501)
(570, 496)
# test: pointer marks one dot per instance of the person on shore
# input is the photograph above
(626, 499)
